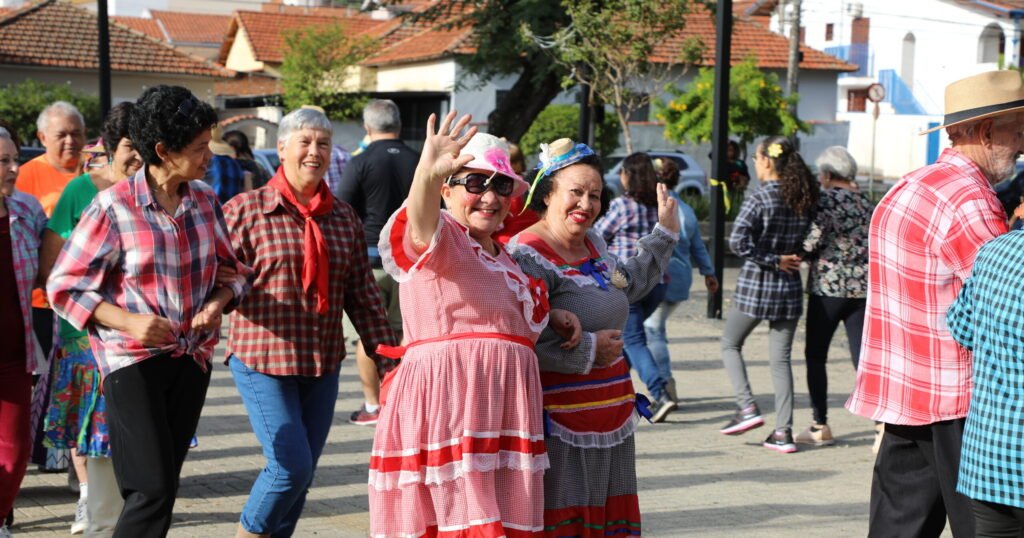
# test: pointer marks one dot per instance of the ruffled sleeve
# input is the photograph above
(397, 254)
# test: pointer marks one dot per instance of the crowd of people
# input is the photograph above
(495, 314)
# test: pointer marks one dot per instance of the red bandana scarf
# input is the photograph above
(315, 262)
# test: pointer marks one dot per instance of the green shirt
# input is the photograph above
(73, 200)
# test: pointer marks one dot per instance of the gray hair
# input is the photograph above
(303, 118)
(6, 135)
(59, 107)
(381, 116)
(838, 163)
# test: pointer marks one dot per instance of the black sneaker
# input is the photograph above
(662, 407)
(781, 441)
(745, 419)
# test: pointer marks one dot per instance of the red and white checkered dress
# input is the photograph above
(459, 447)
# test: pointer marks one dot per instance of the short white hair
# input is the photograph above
(6, 135)
(60, 107)
(837, 162)
(382, 116)
(303, 118)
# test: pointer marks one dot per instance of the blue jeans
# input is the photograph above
(635, 341)
(657, 339)
(291, 417)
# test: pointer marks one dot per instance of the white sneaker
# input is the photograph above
(5, 532)
(81, 518)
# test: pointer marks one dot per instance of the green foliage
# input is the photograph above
(757, 107)
(611, 45)
(20, 105)
(701, 205)
(317, 61)
(563, 121)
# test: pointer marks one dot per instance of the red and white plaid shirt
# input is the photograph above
(128, 251)
(277, 329)
(923, 239)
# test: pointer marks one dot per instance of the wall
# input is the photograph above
(946, 41)
(898, 146)
(240, 55)
(437, 76)
(124, 87)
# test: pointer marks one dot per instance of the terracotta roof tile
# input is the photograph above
(266, 30)
(30, 36)
(423, 41)
(193, 27)
(141, 24)
(749, 39)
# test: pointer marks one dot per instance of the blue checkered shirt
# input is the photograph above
(988, 318)
(765, 229)
(624, 224)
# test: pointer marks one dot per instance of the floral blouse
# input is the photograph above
(837, 245)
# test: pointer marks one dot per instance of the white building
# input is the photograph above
(913, 48)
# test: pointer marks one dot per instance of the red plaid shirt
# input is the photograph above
(128, 251)
(923, 239)
(277, 330)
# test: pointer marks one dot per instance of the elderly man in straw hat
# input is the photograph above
(913, 377)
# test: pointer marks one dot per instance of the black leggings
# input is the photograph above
(993, 520)
(823, 317)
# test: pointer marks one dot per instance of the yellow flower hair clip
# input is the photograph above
(774, 150)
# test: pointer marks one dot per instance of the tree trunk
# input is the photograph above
(524, 101)
(627, 136)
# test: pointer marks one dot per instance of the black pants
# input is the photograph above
(823, 317)
(42, 325)
(913, 488)
(997, 520)
(152, 411)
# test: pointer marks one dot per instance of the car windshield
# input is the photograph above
(274, 160)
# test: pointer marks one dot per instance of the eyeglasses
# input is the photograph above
(479, 183)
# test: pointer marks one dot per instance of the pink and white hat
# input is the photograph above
(491, 153)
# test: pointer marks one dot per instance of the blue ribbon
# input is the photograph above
(593, 269)
(643, 407)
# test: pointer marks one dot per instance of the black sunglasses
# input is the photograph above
(479, 183)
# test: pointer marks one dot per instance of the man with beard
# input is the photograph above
(923, 239)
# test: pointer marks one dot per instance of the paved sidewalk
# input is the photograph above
(693, 481)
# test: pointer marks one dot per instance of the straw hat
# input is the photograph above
(491, 153)
(990, 94)
(217, 144)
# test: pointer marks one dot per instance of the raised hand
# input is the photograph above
(668, 210)
(566, 325)
(441, 149)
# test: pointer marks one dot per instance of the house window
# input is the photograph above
(641, 114)
(857, 100)
(828, 31)
(990, 44)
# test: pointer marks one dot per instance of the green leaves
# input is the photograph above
(318, 62)
(757, 107)
(20, 105)
(563, 121)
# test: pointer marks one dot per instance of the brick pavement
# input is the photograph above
(693, 481)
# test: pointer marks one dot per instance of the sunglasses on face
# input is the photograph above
(479, 183)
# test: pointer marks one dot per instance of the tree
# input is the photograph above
(500, 51)
(20, 105)
(562, 121)
(757, 107)
(612, 47)
(317, 61)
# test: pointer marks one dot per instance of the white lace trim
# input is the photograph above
(595, 439)
(520, 289)
(484, 463)
(579, 280)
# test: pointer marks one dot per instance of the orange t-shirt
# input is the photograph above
(40, 179)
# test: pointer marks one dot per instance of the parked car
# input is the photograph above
(692, 179)
(27, 153)
(268, 159)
